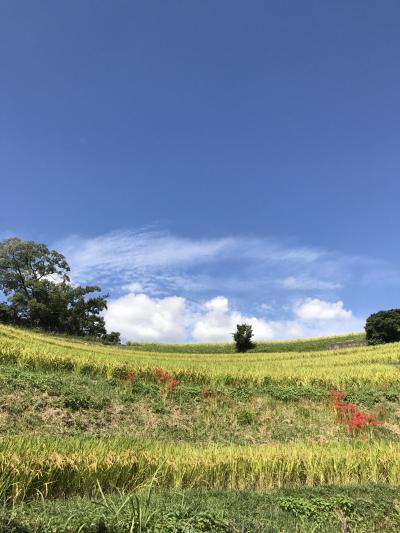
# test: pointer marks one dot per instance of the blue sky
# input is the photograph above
(207, 162)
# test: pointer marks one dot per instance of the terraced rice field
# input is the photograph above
(82, 420)
(366, 365)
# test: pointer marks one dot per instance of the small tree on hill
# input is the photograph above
(242, 337)
(383, 327)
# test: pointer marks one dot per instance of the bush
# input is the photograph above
(242, 337)
(111, 338)
(383, 327)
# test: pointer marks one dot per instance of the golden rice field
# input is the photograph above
(375, 365)
(37, 464)
(64, 466)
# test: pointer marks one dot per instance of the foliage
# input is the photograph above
(317, 507)
(22, 263)
(6, 316)
(383, 327)
(243, 336)
(36, 282)
(245, 417)
(112, 338)
(368, 508)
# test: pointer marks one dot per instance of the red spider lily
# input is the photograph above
(131, 377)
(207, 395)
(170, 386)
(164, 377)
(350, 415)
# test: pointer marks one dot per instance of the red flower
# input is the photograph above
(168, 379)
(350, 415)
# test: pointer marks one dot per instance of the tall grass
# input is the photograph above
(65, 466)
(377, 365)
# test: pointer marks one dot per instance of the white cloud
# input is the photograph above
(300, 283)
(266, 307)
(141, 318)
(316, 309)
(243, 267)
(218, 322)
(219, 305)
(122, 251)
(134, 287)
(312, 318)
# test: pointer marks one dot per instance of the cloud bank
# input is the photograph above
(173, 319)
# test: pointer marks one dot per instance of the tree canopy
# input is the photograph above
(38, 291)
(383, 326)
(242, 337)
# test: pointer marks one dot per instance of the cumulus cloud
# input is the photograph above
(141, 318)
(173, 319)
(312, 317)
(217, 322)
(316, 309)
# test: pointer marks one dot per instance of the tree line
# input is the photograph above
(38, 293)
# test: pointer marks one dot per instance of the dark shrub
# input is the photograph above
(383, 326)
(242, 337)
(5, 314)
(112, 338)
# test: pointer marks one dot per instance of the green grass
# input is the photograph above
(301, 345)
(61, 403)
(372, 509)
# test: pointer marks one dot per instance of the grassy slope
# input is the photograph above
(45, 410)
(365, 365)
(301, 345)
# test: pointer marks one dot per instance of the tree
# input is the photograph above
(36, 282)
(242, 337)
(5, 315)
(112, 338)
(22, 263)
(383, 327)
(84, 313)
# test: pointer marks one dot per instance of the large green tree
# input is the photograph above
(36, 283)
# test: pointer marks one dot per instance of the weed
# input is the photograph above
(245, 417)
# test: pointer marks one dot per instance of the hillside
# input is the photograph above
(228, 442)
(302, 345)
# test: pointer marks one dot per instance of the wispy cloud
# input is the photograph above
(301, 283)
(124, 253)
(160, 260)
